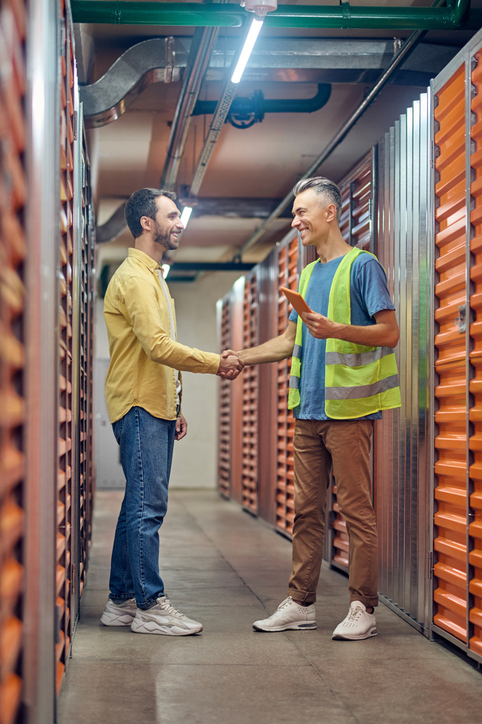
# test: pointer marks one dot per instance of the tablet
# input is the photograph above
(296, 300)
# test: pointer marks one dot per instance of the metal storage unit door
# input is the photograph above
(12, 355)
(288, 256)
(475, 501)
(402, 440)
(230, 312)
(86, 361)
(450, 543)
(457, 515)
(223, 309)
(66, 370)
(250, 376)
(356, 226)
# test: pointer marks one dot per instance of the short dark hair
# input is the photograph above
(143, 203)
(323, 187)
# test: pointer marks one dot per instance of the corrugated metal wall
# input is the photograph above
(250, 404)
(224, 401)
(46, 246)
(475, 528)
(356, 226)
(66, 453)
(457, 491)
(402, 438)
(13, 250)
(288, 274)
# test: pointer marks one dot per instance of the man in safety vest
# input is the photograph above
(343, 375)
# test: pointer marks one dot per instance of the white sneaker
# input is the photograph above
(359, 624)
(288, 616)
(164, 619)
(119, 614)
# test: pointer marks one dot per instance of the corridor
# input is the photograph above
(226, 569)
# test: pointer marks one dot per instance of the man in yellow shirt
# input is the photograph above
(143, 393)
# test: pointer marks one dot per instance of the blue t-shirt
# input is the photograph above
(369, 295)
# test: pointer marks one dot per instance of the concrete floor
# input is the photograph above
(226, 569)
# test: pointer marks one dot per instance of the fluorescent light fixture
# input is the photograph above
(256, 25)
(166, 268)
(186, 215)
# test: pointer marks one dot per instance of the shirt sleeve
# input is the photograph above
(371, 285)
(142, 308)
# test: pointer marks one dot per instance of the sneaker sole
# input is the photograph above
(287, 627)
(355, 637)
(115, 620)
(150, 627)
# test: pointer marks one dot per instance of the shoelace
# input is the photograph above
(169, 608)
(353, 614)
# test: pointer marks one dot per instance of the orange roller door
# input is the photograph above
(13, 406)
(224, 419)
(356, 228)
(250, 376)
(450, 543)
(475, 511)
(285, 514)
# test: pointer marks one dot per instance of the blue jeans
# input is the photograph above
(146, 445)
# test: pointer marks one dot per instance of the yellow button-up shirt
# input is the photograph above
(144, 354)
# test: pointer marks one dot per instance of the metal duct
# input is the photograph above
(343, 16)
(310, 60)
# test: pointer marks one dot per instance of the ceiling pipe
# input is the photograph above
(406, 48)
(344, 16)
(201, 50)
(259, 105)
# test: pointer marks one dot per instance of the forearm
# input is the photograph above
(375, 335)
(166, 351)
(274, 350)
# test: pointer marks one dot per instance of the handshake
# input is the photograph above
(230, 365)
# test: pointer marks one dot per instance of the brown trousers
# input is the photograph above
(319, 447)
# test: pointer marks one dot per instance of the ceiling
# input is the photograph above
(250, 170)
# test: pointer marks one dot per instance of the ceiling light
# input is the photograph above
(256, 25)
(166, 268)
(260, 7)
(186, 215)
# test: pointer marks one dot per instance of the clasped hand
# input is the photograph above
(230, 365)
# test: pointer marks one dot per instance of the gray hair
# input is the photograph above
(322, 187)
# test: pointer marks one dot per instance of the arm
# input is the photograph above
(141, 308)
(384, 333)
(273, 350)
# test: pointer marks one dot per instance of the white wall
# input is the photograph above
(195, 457)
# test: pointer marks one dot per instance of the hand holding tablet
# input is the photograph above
(296, 300)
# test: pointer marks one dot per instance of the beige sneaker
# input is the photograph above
(359, 624)
(164, 619)
(119, 614)
(289, 616)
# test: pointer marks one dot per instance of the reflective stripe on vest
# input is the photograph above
(359, 380)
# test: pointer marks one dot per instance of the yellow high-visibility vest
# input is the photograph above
(359, 380)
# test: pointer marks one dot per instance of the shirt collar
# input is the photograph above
(144, 258)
